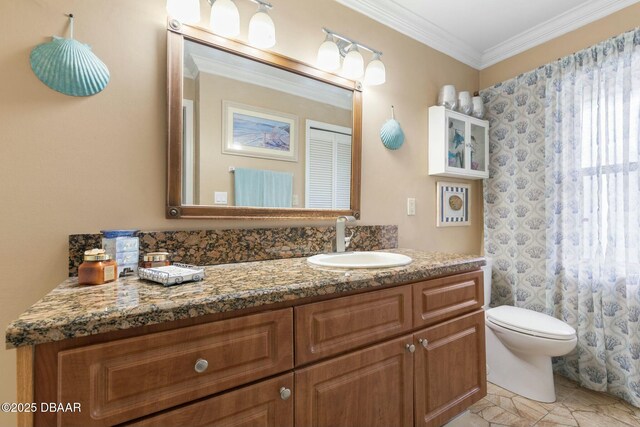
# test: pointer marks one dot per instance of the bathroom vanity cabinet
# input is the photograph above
(406, 355)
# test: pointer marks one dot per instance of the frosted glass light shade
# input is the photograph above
(353, 64)
(262, 32)
(328, 55)
(225, 18)
(185, 11)
(376, 73)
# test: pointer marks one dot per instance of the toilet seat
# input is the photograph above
(530, 322)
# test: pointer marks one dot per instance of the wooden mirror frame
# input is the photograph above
(177, 33)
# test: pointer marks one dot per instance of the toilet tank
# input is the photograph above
(487, 282)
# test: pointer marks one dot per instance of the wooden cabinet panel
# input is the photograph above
(331, 327)
(371, 387)
(258, 405)
(440, 299)
(450, 371)
(126, 379)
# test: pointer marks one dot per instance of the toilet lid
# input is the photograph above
(530, 322)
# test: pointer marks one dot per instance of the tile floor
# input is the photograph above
(575, 406)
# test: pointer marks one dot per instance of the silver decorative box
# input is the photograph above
(170, 275)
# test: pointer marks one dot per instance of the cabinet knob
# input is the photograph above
(424, 342)
(201, 366)
(411, 348)
(285, 393)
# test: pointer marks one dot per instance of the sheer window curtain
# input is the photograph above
(590, 113)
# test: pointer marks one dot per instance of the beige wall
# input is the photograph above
(79, 165)
(214, 165)
(612, 25)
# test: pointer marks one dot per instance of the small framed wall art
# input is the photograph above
(453, 204)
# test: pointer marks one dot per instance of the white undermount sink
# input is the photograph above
(360, 260)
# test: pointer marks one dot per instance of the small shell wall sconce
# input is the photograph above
(391, 133)
(69, 66)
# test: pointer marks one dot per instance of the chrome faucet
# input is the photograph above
(342, 242)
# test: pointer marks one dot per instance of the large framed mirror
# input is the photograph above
(253, 134)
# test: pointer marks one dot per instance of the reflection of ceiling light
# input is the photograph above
(353, 65)
(336, 45)
(376, 73)
(328, 55)
(262, 32)
(187, 11)
(225, 18)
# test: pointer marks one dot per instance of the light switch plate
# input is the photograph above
(411, 206)
(220, 198)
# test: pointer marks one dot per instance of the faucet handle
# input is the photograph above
(347, 240)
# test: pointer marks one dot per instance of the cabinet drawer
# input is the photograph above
(441, 299)
(331, 327)
(256, 405)
(126, 379)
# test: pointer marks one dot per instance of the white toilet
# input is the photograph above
(520, 344)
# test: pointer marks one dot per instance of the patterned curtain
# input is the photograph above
(562, 205)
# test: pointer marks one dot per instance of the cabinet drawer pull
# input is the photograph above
(201, 366)
(411, 348)
(424, 342)
(285, 393)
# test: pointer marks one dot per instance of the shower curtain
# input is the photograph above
(562, 205)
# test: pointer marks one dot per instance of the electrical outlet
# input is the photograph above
(295, 200)
(220, 198)
(411, 206)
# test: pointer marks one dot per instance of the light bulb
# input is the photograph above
(185, 11)
(262, 32)
(353, 64)
(376, 73)
(225, 18)
(328, 55)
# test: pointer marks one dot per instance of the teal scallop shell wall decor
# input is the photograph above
(69, 67)
(391, 133)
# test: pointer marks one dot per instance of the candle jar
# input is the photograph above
(98, 268)
(155, 259)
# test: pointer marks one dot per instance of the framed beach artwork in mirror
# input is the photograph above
(259, 132)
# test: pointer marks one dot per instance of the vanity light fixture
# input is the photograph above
(262, 32)
(187, 11)
(336, 46)
(376, 73)
(225, 19)
(328, 55)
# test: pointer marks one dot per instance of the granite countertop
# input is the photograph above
(71, 310)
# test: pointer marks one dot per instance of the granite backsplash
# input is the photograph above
(212, 247)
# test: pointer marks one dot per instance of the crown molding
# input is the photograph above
(272, 78)
(408, 23)
(404, 21)
(568, 21)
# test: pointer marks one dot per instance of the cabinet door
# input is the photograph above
(258, 405)
(371, 387)
(456, 132)
(450, 370)
(479, 147)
